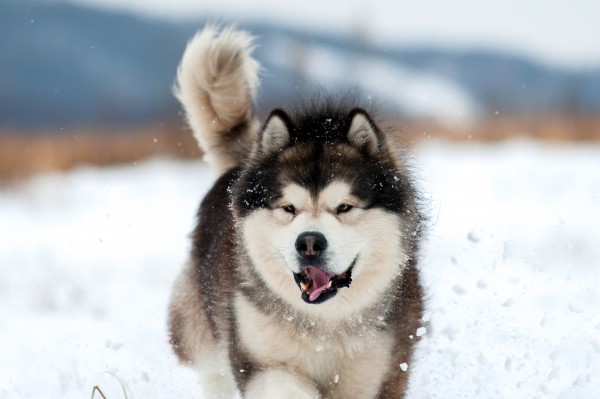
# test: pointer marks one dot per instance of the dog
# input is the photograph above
(302, 280)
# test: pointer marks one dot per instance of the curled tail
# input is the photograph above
(216, 83)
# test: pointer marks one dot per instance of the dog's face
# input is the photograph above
(324, 214)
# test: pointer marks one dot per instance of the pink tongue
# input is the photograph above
(320, 280)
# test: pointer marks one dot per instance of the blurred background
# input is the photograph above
(100, 179)
(89, 81)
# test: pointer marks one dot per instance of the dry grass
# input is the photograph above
(556, 129)
(24, 154)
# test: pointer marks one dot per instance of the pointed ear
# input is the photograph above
(275, 133)
(362, 132)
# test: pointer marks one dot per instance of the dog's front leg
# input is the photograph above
(278, 384)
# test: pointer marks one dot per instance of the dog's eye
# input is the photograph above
(343, 208)
(290, 209)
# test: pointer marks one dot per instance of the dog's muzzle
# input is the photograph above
(316, 283)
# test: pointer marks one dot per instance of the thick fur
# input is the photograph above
(240, 313)
(216, 83)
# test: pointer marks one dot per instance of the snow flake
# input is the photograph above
(426, 316)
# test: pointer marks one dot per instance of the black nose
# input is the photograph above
(311, 244)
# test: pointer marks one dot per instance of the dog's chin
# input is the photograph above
(318, 286)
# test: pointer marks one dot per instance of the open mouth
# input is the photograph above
(317, 285)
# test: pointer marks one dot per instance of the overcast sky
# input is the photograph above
(564, 32)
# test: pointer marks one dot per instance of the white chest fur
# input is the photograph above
(341, 363)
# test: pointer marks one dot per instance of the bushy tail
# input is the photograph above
(216, 83)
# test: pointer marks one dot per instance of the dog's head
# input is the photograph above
(325, 209)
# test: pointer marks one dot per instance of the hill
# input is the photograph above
(64, 65)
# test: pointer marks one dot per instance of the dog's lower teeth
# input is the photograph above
(303, 286)
(329, 284)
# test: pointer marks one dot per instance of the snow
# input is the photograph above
(511, 265)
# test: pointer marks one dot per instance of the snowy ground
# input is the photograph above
(512, 265)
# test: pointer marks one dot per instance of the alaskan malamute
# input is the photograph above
(302, 280)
